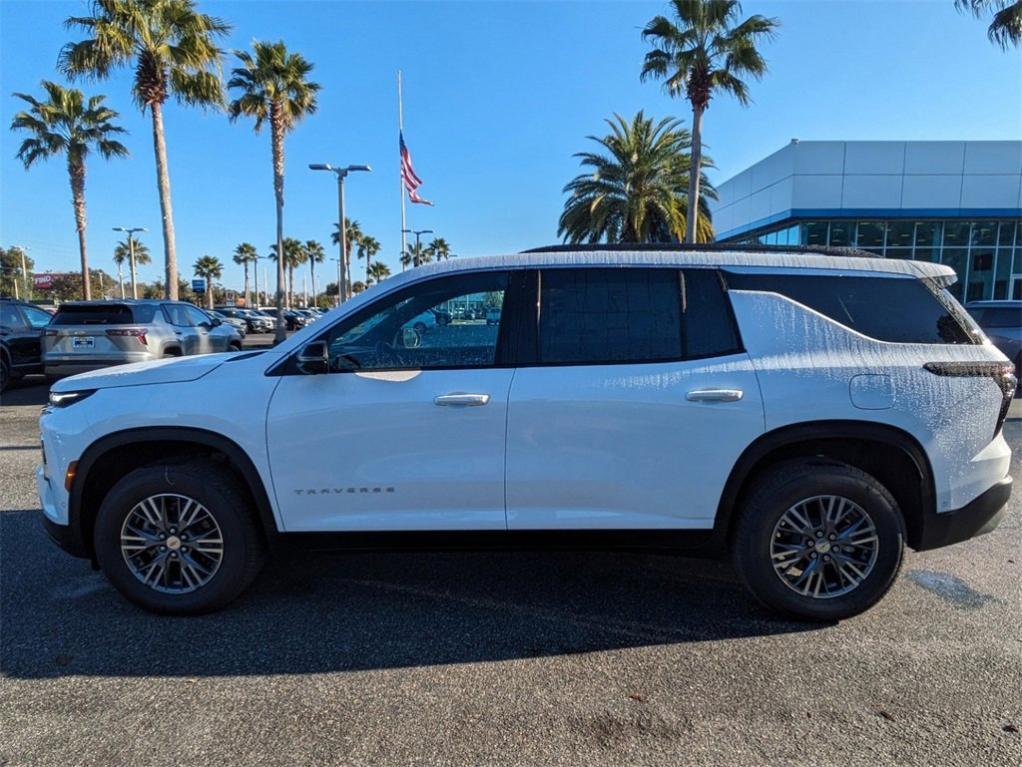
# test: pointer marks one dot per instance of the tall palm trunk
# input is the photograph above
(209, 291)
(368, 259)
(163, 180)
(312, 268)
(245, 265)
(77, 172)
(277, 139)
(694, 172)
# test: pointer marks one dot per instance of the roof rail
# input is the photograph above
(704, 247)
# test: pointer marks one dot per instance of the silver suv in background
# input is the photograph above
(95, 334)
(1002, 323)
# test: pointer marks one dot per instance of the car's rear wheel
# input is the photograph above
(178, 538)
(234, 346)
(818, 539)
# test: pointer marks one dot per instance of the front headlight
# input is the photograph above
(65, 398)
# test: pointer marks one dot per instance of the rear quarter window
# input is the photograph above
(894, 309)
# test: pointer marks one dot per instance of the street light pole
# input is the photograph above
(417, 233)
(131, 253)
(24, 275)
(342, 228)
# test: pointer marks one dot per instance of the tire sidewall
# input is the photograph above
(752, 546)
(225, 507)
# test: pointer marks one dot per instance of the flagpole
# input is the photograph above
(400, 177)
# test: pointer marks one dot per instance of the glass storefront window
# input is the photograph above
(870, 235)
(841, 233)
(1007, 235)
(928, 240)
(814, 233)
(956, 233)
(900, 234)
(955, 258)
(905, 253)
(984, 233)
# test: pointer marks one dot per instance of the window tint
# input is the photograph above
(896, 309)
(451, 322)
(998, 316)
(143, 314)
(37, 318)
(93, 314)
(9, 316)
(195, 316)
(616, 315)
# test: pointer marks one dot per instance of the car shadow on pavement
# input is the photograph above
(323, 611)
(31, 390)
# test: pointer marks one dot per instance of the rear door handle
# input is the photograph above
(714, 395)
(458, 399)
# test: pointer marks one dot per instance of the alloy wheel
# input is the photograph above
(171, 543)
(824, 547)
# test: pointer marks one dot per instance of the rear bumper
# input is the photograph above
(69, 367)
(977, 517)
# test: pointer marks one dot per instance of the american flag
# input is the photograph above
(411, 181)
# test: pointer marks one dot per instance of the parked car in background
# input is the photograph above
(310, 315)
(237, 323)
(254, 320)
(493, 315)
(87, 335)
(811, 416)
(21, 329)
(1002, 323)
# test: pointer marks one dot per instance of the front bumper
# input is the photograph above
(977, 517)
(66, 537)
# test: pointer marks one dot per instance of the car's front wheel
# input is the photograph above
(178, 538)
(818, 539)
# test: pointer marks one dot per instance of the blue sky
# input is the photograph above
(497, 98)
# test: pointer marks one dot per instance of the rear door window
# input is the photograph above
(10, 317)
(632, 315)
(895, 309)
(176, 315)
(37, 318)
(93, 314)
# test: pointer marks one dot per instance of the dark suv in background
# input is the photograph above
(21, 327)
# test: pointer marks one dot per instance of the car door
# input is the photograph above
(406, 430)
(185, 330)
(21, 340)
(203, 327)
(637, 405)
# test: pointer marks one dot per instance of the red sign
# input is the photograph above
(43, 281)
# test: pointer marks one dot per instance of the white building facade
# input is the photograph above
(954, 202)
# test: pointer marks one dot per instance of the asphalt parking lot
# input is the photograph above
(500, 658)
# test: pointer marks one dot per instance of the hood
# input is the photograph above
(173, 370)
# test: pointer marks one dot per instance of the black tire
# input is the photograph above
(219, 492)
(172, 352)
(235, 346)
(781, 488)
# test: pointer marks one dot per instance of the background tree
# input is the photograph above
(12, 279)
(273, 85)
(314, 254)
(294, 256)
(1006, 26)
(68, 124)
(415, 255)
(209, 268)
(244, 255)
(355, 237)
(637, 190)
(358, 286)
(439, 250)
(368, 247)
(68, 287)
(173, 50)
(703, 50)
(122, 254)
(377, 272)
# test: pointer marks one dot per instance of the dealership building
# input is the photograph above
(954, 202)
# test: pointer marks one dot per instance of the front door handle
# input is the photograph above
(714, 395)
(458, 399)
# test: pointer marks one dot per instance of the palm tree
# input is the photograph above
(704, 50)
(209, 268)
(123, 252)
(637, 190)
(67, 123)
(1006, 27)
(273, 86)
(173, 50)
(244, 255)
(355, 237)
(415, 255)
(294, 256)
(378, 272)
(439, 249)
(314, 254)
(368, 246)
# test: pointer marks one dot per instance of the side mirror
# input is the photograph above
(314, 358)
(410, 338)
(217, 322)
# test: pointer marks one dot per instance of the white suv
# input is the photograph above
(808, 413)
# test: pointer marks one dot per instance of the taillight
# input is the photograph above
(138, 333)
(1003, 374)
